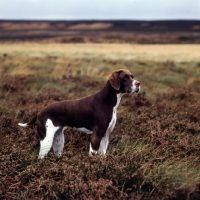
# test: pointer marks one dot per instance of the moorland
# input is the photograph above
(109, 31)
(154, 150)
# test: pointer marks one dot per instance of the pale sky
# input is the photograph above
(99, 9)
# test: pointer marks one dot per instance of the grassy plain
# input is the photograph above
(154, 148)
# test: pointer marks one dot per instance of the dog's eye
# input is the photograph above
(132, 76)
(126, 76)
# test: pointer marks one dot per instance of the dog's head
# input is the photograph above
(123, 81)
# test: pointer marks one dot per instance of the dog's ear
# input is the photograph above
(115, 80)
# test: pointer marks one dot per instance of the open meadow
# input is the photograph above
(154, 150)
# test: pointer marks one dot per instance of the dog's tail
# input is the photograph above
(33, 120)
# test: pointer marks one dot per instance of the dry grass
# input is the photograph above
(10, 26)
(93, 26)
(154, 148)
(177, 53)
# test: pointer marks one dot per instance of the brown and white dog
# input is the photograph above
(94, 114)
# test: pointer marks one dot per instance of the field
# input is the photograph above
(109, 31)
(154, 149)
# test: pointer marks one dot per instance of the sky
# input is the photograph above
(99, 9)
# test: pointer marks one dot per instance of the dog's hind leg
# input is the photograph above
(58, 141)
(46, 143)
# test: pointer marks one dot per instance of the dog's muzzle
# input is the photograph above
(137, 85)
(137, 90)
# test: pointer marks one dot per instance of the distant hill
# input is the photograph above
(150, 32)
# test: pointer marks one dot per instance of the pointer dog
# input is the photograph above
(94, 114)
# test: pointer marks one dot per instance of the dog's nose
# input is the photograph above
(137, 83)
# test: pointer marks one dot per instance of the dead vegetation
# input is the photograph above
(119, 31)
(154, 149)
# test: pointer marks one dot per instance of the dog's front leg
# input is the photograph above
(103, 145)
(94, 143)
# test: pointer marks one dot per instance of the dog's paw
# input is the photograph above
(92, 152)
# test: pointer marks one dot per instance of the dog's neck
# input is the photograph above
(108, 95)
